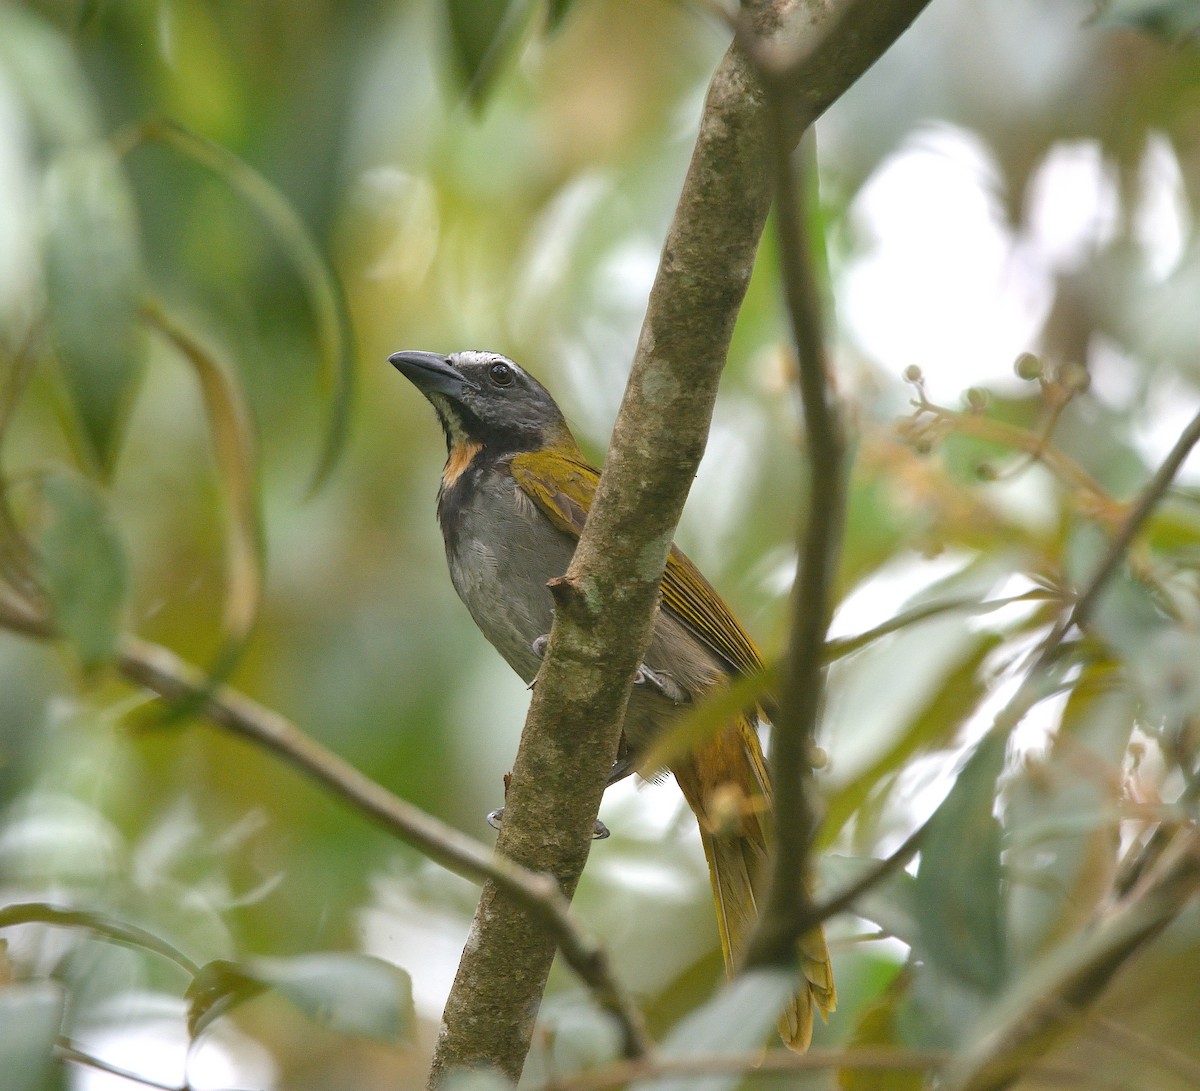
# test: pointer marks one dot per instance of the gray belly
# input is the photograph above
(502, 551)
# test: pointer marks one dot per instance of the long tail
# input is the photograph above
(726, 785)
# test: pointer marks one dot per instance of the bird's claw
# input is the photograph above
(662, 683)
(599, 832)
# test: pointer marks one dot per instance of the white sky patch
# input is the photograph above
(941, 284)
(885, 591)
(1170, 407)
(1162, 223)
(152, 1041)
(420, 938)
(1072, 205)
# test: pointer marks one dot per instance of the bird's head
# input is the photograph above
(484, 399)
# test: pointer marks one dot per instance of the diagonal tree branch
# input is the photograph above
(607, 600)
(161, 671)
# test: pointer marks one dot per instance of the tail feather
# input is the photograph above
(725, 783)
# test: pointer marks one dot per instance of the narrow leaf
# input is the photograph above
(891, 903)
(482, 35)
(93, 280)
(346, 992)
(960, 895)
(234, 451)
(83, 568)
(936, 724)
(737, 1019)
(38, 63)
(335, 340)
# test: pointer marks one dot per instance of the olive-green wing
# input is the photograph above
(563, 488)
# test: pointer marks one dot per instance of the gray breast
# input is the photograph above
(501, 552)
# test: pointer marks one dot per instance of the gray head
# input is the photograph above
(485, 398)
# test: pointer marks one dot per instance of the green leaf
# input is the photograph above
(104, 927)
(83, 569)
(347, 992)
(710, 716)
(1063, 815)
(1170, 19)
(93, 281)
(878, 1028)
(890, 903)
(557, 12)
(38, 63)
(737, 1019)
(955, 698)
(482, 35)
(335, 340)
(960, 895)
(30, 1017)
(234, 452)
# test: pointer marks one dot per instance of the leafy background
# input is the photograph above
(218, 220)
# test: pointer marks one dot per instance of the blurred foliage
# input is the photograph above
(219, 219)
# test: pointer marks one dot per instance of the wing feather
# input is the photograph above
(563, 487)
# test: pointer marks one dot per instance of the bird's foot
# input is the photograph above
(660, 683)
(652, 679)
(599, 832)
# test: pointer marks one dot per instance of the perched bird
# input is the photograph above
(514, 495)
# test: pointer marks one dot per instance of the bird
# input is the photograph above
(514, 495)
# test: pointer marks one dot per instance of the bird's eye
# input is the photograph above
(500, 374)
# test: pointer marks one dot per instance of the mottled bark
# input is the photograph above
(607, 600)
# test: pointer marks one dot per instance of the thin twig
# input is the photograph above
(760, 1061)
(1117, 1035)
(846, 645)
(68, 1051)
(1010, 435)
(802, 699)
(163, 672)
(844, 899)
(1149, 499)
